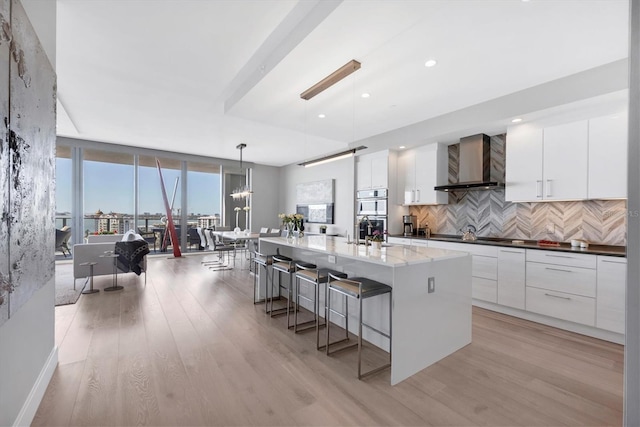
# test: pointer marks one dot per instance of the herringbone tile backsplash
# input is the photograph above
(596, 221)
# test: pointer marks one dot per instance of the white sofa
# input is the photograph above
(102, 238)
(90, 252)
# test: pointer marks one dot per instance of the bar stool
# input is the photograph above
(264, 261)
(359, 288)
(316, 277)
(285, 265)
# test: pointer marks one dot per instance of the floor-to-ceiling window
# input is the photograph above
(106, 188)
(203, 199)
(108, 192)
(63, 195)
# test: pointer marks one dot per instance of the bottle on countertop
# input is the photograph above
(427, 231)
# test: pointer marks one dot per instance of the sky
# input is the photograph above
(109, 187)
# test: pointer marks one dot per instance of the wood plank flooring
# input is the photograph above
(190, 348)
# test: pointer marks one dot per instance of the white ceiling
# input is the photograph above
(200, 77)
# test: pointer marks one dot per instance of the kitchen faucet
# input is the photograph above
(369, 229)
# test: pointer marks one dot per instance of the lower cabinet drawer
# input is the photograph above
(572, 280)
(484, 289)
(485, 267)
(569, 307)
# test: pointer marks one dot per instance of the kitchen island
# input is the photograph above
(431, 305)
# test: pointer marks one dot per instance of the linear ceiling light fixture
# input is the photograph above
(331, 79)
(332, 157)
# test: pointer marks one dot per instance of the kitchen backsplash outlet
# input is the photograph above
(596, 221)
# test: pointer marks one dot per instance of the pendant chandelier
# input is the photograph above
(243, 191)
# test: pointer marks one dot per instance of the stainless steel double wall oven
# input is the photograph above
(371, 211)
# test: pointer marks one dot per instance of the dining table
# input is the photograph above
(236, 239)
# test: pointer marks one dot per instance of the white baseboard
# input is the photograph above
(551, 321)
(28, 411)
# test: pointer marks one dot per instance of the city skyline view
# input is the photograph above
(108, 187)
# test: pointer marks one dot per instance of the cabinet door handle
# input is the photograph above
(559, 256)
(539, 188)
(612, 262)
(557, 296)
(548, 188)
(511, 252)
(417, 195)
(559, 269)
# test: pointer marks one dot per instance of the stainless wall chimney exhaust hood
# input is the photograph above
(474, 168)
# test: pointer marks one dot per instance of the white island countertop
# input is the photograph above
(428, 311)
(389, 255)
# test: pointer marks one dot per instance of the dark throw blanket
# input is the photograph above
(130, 255)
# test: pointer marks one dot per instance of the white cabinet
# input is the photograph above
(484, 270)
(610, 308)
(576, 287)
(562, 285)
(608, 157)
(419, 171)
(372, 171)
(574, 308)
(523, 163)
(511, 277)
(408, 241)
(547, 164)
(565, 161)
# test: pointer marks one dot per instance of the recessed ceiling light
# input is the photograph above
(365, 95)
(322, 116)
(517, 120)
(430, 63)
(402, 147)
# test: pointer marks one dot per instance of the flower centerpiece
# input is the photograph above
(292, 222)
(237, 209)
(377, 238)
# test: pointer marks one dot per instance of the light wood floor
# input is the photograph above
(190, 348)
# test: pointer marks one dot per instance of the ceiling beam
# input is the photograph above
(305, 16)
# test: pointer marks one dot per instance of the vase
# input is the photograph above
(289, 229)
(377, 245)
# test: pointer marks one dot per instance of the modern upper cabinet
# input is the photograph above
(523, 174)
(565, 161)
(372, 171)
(419, 171)
(547, 164)
(612, 279)
(608, 157)
(580, 160)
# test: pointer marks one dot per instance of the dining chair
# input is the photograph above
(62, 240)
(203, 239)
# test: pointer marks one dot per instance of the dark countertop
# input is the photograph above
(608, 250)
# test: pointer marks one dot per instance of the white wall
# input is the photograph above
(343, 172)
(265, 184)
(28, 357)
(27, 348)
